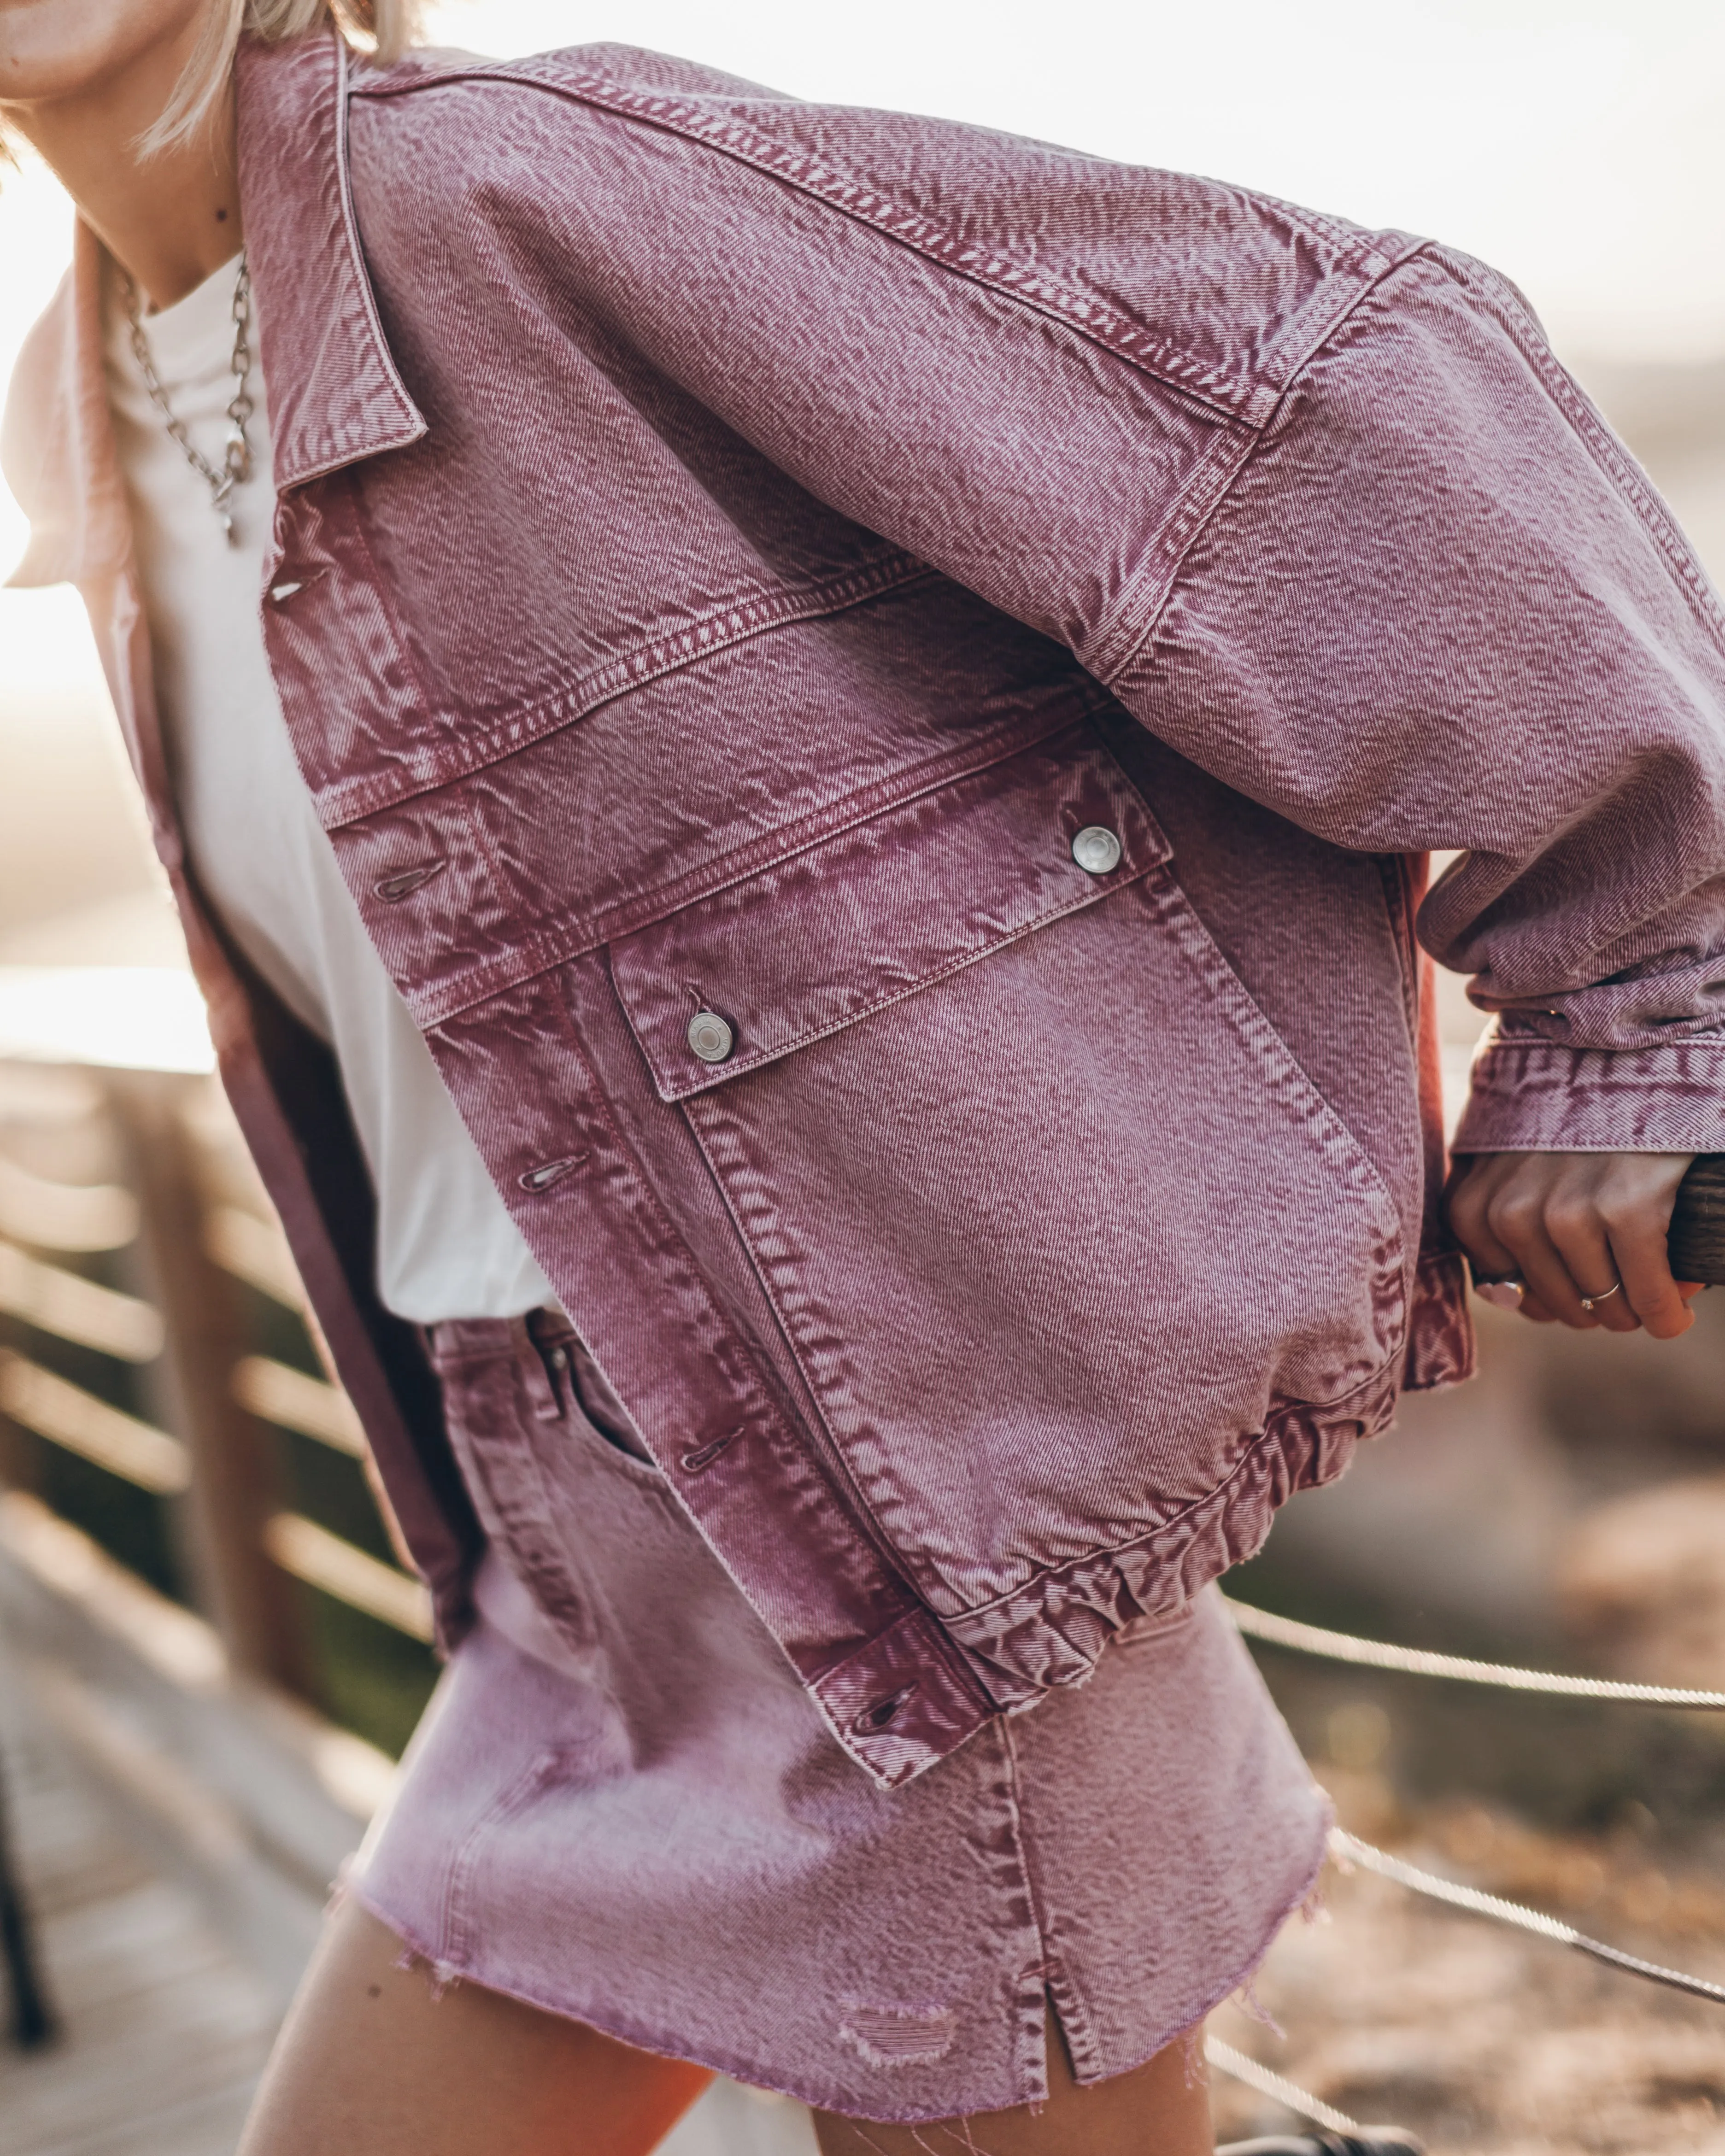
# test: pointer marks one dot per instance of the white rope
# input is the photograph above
(1345, 1850)
(1417, 1661)
(1240, 2068)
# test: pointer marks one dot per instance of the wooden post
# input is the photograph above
(235, 1478)
(20, 1465)
(34, 2022)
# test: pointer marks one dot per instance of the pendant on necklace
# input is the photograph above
(237, 451)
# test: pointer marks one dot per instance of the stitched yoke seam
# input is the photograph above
(637, 666)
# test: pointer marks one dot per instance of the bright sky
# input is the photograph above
(1578, 144)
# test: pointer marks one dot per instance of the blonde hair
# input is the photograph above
(379, 28)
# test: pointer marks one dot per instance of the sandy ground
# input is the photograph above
(1483, 2040)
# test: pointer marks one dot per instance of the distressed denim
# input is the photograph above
(622, 1806)
(728, 550)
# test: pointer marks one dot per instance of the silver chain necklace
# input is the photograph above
(237, 454)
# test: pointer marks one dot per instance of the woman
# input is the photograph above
(797, 748)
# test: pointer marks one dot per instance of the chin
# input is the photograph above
(56, 50)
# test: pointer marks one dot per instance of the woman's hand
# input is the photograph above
(1569, 1225)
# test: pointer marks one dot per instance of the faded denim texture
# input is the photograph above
(622, 1806)
(728, 548)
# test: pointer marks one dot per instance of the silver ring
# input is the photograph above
(1504, 1294)
(1592, 1302)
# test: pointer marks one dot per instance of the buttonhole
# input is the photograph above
(703, 1455)
(549, 1172)
(874, 1719)
(405, 881)
(280, 593)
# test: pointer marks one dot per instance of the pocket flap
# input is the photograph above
(880, 911)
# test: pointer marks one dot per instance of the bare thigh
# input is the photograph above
(372, 2057)
(1161, 2108)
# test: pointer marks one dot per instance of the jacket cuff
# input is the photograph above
(1536, 1096)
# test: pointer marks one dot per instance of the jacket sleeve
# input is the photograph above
(1442, 608)
(1317, 506)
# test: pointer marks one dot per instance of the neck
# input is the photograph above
(169, 219)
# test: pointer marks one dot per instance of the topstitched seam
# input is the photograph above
(1231, 397)
(619, 673)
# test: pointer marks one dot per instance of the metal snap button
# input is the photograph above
(710, 1037)
(1096, 849)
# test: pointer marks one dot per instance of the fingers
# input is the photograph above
(1635, 1196)
(1468, 1202)
(1577, 1226)
(1496, 1210)
(1528, 1216)
(1582, 1247)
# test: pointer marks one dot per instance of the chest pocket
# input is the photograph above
(890, 907)
(1032, 1184)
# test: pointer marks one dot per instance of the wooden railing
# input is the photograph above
(194, 1584)
(181, 1213)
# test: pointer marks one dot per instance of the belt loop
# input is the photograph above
(545, 1366)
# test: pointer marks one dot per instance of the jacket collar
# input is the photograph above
(58, 442)
(335, 393)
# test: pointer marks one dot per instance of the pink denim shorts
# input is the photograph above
(622, 1806)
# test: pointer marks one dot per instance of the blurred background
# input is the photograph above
(207, 1656)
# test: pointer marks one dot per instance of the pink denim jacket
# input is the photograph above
(883, 691)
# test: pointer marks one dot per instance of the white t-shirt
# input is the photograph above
(446, 1245)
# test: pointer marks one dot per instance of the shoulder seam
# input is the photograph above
(1218, 478)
